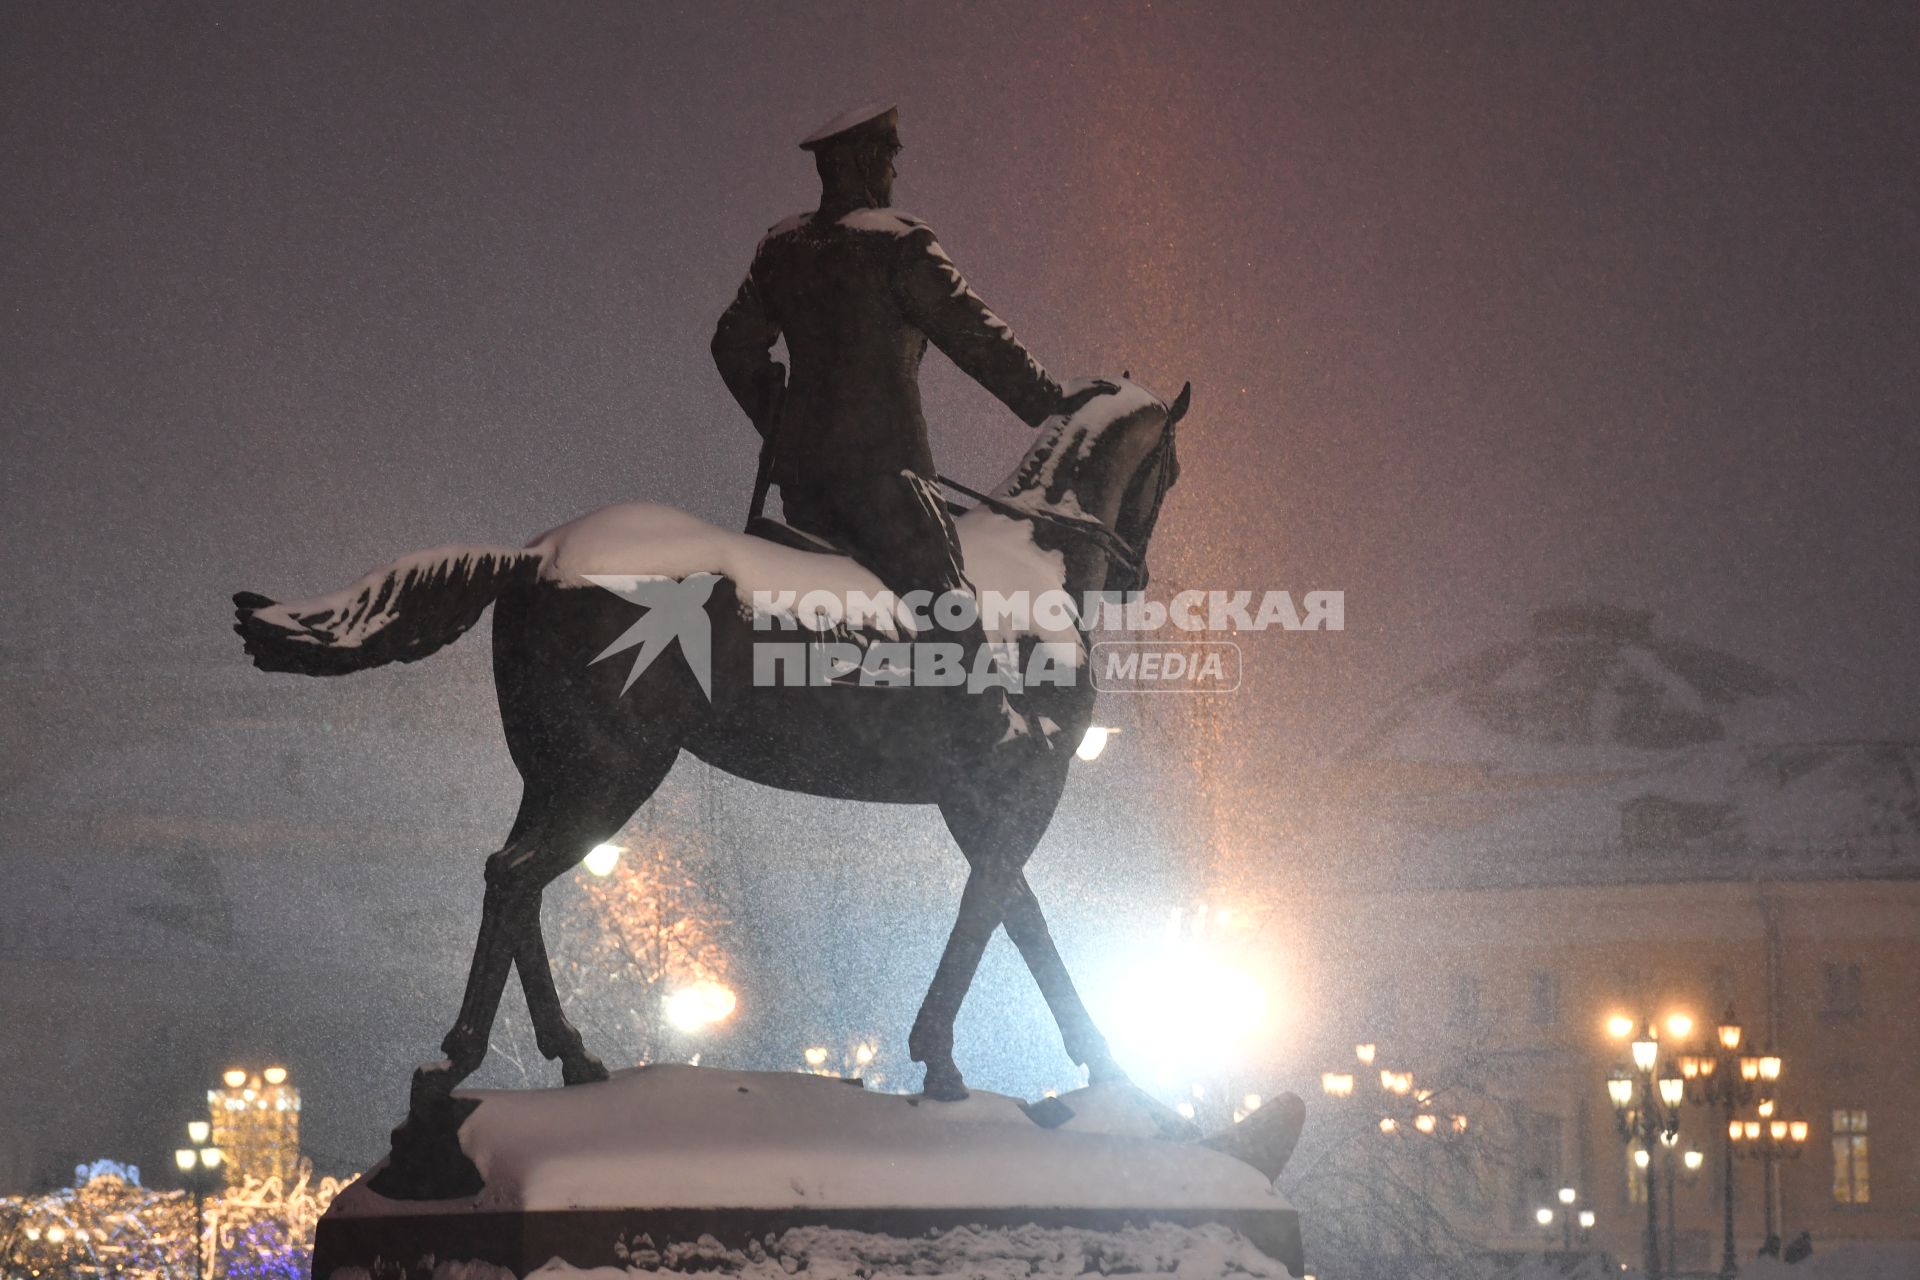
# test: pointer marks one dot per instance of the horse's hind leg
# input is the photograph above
(466, 1044)
(1085, 1045)
(553, 1031)
(555, 829)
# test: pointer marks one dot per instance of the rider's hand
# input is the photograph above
(1072, 404)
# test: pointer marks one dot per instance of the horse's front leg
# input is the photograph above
(990, 885)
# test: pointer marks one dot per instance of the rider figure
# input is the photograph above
(858, 289)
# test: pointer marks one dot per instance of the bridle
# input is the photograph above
(1116, 548)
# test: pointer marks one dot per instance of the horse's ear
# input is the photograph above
(1178, 409)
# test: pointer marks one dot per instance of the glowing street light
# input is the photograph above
(200, 1165)
(1094, 741)
(1768, 1140)
(1337, 1084)
(699, 1006)
(1646, 1104)
(1567, 1197)
(1646, 1050)
(603, 858)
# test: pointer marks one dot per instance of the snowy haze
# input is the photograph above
(1484, 310)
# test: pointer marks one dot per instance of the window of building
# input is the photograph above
(1543, 1005)
(1844, 995)
(1850, 1158)
(1636, 1176)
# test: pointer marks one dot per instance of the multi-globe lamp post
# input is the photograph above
(1568, 1216)
(200, 1164)
(1646, 1108)
(1718, 1076)
(1724, 1079)
(1405, 1107)
(1768, 1139)
(1399, 1111)
(1546, 1216)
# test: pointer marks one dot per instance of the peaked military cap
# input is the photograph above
(876, 120)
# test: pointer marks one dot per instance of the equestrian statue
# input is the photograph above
(857, 289)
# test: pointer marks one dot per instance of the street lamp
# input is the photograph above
(200, 1165)
(1094, 741)
(1768, 1140)
(1721, 1077)
(1691, 1162)
(1567, 1197)
(1646, 1107)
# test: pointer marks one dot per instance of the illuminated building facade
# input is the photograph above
(256, 1125)
(1551, 845)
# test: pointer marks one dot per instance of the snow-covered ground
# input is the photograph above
(1895, 1260)
(1196, 1253)
(1162, 1251)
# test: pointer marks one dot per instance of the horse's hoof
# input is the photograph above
(584, 1069)
(433, 1084)
(944, 1083)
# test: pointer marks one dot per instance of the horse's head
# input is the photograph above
(1105, 471)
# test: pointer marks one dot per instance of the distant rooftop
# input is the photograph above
(1597, 749)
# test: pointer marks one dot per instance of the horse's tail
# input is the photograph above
(401, 613)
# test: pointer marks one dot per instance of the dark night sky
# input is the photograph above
(1485, 308)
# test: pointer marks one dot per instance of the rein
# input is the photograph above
(1117, 548)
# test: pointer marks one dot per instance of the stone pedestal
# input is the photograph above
(595, 1174)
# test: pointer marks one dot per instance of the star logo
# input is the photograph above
(676, 610)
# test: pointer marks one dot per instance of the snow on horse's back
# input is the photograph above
(421, 603)
(637, 540)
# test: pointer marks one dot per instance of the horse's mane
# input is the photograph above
(1078, 437)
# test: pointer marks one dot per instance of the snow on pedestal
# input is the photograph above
(675, 1153)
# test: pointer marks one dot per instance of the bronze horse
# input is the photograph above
(1079, 511)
